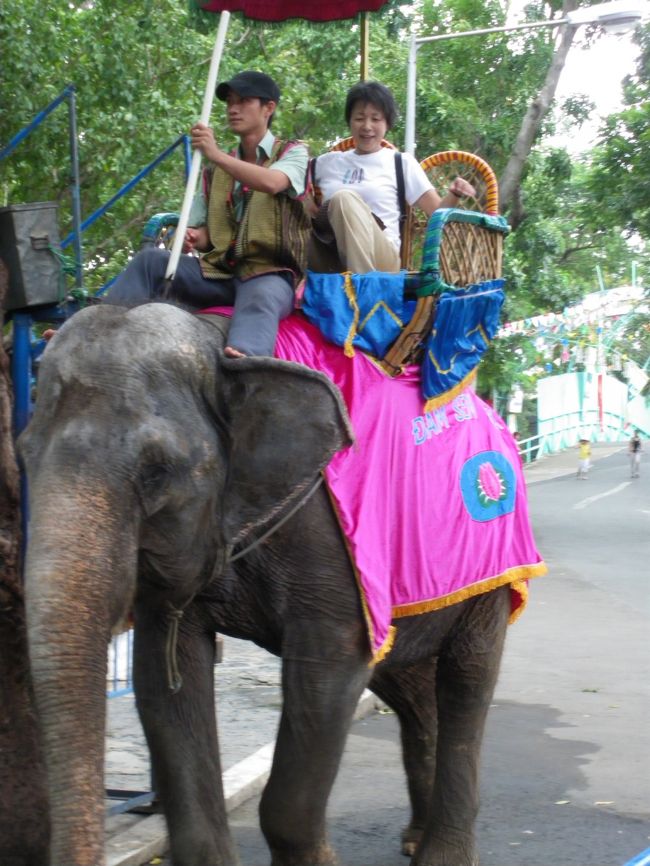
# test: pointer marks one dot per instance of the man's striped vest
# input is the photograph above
(271, 236)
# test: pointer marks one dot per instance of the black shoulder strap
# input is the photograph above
(401, 194)
(312, 184)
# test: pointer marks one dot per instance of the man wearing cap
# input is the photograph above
(248, 225)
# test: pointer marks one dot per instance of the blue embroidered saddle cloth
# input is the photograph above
(369, 311)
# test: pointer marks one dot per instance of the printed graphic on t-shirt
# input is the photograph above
(353, 175)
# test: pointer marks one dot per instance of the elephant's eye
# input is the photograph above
(154, 487)
(155, 475)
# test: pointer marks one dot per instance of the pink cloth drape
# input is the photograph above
(433, 505)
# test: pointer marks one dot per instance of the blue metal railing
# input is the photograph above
(568, 429)
(25, 349)
(38, 119)
(78, 227)
(69, 94)
(181, 140)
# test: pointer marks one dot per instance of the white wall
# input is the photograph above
(568, 409)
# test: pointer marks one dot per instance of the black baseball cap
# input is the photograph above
(250, 84)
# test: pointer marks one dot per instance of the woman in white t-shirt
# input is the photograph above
(357, 227)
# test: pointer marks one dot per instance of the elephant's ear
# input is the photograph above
(286, 422)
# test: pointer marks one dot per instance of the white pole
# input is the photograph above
(409, 135)
(192, 180)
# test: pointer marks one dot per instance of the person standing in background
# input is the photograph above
(584, 447)
(634, 449)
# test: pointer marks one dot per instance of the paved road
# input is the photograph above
(566, 778)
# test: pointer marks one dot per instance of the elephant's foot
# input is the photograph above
(450, 857)
(410, 839)
(456, 850)
(321, 856)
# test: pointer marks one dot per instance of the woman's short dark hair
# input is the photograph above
(374, 93)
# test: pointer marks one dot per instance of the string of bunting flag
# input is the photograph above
(583, 333)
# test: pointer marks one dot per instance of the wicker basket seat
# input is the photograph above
(467, 248)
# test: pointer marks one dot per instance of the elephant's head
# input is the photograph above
(149, 455)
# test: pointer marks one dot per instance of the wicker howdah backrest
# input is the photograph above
(441, 169)
(455, 248)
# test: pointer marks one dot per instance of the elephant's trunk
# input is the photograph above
(79, 578)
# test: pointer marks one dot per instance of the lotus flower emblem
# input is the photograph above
(490, 484)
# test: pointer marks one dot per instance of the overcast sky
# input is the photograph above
(598, 72)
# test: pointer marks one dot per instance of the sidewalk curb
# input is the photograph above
(148, 838)
(563, 463)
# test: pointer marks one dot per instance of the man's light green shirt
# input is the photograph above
(293, 163)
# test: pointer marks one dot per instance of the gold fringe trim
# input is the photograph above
(521, 588)
(348, 288)
(514, 576)
(434, 402)
(385, 648)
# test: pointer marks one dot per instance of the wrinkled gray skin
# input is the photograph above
(149, 457)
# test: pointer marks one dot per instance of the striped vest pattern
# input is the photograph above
(271, 236)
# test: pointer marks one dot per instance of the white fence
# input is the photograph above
(120, 665)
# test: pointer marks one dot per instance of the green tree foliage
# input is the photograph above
(135, 68)
(139, 69)
(632, 339)
(552, 258)
(505, 363)
(620, 177)
(465, 94)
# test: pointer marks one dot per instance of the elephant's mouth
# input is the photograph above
(123, 624)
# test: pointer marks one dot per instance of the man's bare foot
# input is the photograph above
(229, 352)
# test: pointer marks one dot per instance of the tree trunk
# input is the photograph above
(24, 827)
(532, 123)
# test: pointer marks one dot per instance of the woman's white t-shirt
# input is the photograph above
(373, 177)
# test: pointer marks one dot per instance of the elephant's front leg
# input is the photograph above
(182, 736)
(323, 678)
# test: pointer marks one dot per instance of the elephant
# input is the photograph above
(151, 458)
(23, 842)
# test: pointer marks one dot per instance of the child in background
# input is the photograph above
(584, 446)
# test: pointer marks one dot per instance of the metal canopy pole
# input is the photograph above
(75, 187)
(365, 46)
(192, 181)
